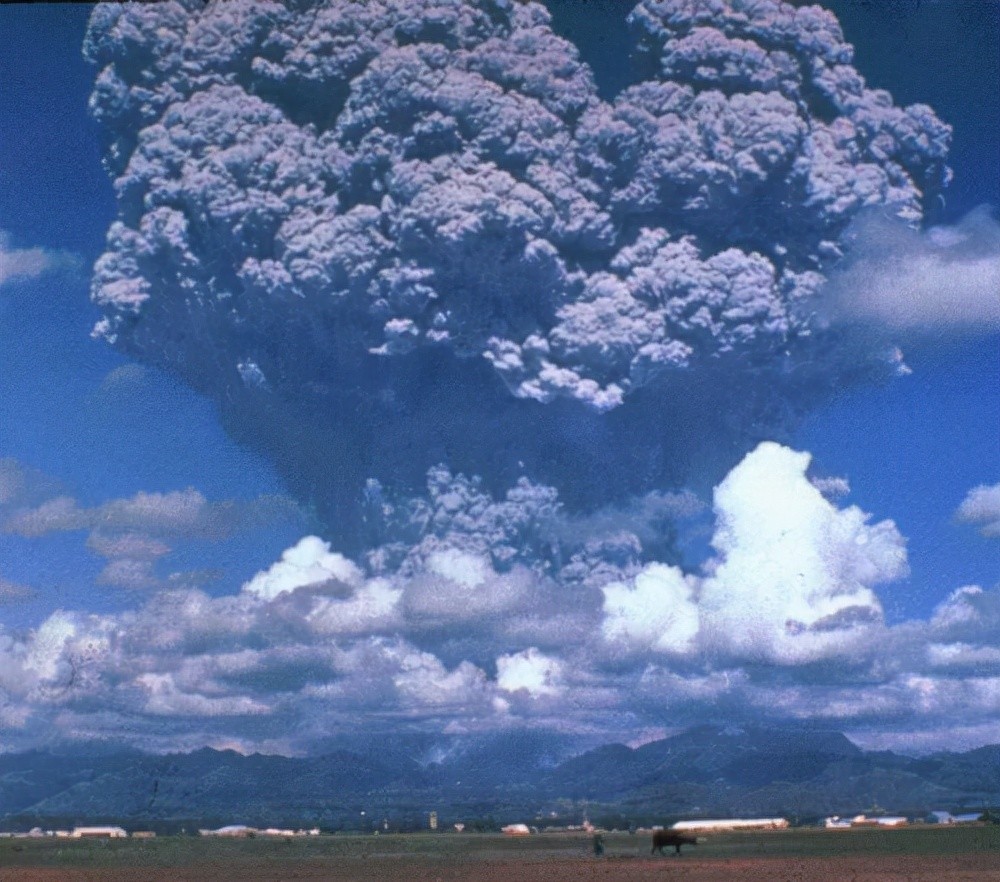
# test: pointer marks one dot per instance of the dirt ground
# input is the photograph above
(881, 856)
(831, 869)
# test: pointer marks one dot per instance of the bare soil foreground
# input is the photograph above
(915, 854)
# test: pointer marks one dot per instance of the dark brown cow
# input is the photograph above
(665, 838)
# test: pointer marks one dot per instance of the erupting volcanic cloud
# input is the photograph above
(385, 235)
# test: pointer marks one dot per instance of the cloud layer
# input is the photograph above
(132, 535)
(782, 622)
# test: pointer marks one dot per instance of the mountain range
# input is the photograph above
(709, 770)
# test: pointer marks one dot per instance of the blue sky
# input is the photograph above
(913, 447)
(81, 420)
(59, 412)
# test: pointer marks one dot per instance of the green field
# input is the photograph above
(470, 848)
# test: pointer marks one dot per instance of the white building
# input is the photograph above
(883, 821)
(733, 824)
(98, 833)
(239, 831)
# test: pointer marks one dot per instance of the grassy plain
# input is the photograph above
(915, 854)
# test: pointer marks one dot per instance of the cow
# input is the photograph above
(665, 838)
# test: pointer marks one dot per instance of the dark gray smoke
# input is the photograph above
(388, 234)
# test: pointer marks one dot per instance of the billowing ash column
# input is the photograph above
(385, 234)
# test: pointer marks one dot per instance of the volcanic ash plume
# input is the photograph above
(387, 234)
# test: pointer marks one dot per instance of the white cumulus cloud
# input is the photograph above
(28, 263)
(530, 670)
(982, 507)
(794, 577)
(308, 564)
(947, 278)
(657, 611)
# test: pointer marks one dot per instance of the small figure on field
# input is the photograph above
(598, 844)
(665, 838)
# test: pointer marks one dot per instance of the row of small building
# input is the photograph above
(240, 831)
(837, 822)
(80, 833)
(723, 824)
